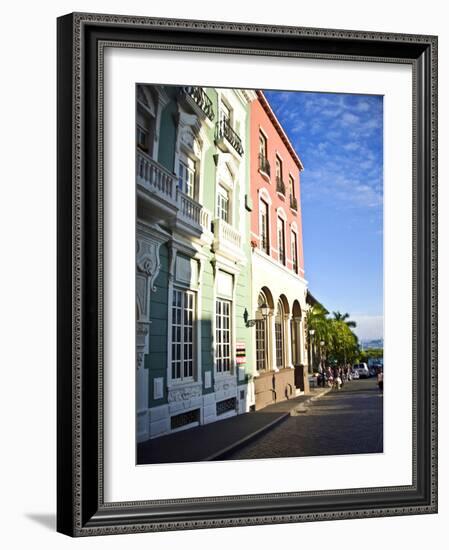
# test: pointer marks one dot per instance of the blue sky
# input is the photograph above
(339, 138)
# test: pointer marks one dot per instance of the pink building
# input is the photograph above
(278, 284)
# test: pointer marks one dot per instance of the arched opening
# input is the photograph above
(295, 326)
(280, 334)
(264, 306)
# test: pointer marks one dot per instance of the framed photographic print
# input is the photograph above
(247, 284)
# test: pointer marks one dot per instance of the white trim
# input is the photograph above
(265, 256)
(245, 96)
(280, 212)
(268, 213)
(277, 154)
(290, 175)
(196, 354)
(262, 193)
(262, 131)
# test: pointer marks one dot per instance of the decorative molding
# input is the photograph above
(188, 128)
(225, 384)
(184, 393)
(264, 194)
(142, 332)
(148, 262)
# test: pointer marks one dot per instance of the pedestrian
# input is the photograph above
(380, 380)
(329, 377)
(320, 375)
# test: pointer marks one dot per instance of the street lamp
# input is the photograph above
(264, 310)
(321, 353)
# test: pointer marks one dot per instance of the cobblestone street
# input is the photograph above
(342, 422)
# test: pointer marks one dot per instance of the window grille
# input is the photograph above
(184, 419)
(223, 335)
(226, 406)
(182, 334)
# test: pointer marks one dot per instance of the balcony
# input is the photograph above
(225, 134)
(191, 215)
(200, 99)
(293, 203)
(155, 179)
(227, 240)
(280, 186)
(264, 165)
(160, 200)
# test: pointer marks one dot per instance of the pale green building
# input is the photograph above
(194, 351)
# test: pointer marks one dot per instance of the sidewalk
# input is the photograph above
(213, 441)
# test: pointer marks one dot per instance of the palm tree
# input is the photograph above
(342, 317)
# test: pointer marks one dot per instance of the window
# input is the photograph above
(223, 204)
(264, 227)
(278, 168)
(182, 334)
(142, 138)
(293, 200)
(295, 252)
(145, 123)
(279, 335)
(225, 113)
(187, 171)
(291, 183)
(223, 335)
(280, 185)
(264, 165)
(262, 145)
(260, 345)
(261, 334)
(281, 240)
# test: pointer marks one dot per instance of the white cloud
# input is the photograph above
(363, 106)
(350, 118)
(352, 146)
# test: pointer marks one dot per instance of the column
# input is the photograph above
(301, 347)
(271, 344)
(288, 327)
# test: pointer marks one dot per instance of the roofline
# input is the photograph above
(267, 108)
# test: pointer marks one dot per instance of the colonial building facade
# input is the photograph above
(218, 239)
(193, 257)
(279, 289)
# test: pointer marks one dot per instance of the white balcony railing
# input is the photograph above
(226, 234)
(154, 177)
(189, 209)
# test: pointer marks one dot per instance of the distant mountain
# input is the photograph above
(373, 344)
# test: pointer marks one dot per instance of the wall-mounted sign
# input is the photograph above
(240, 352)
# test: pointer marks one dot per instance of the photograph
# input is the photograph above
(259, 273)
(246, 237)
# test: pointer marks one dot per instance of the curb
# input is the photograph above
(244, 440)
(241, 442)
(302, 408)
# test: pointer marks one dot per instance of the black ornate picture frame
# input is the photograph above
(81, 509)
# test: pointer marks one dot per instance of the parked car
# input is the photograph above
(362, 370)
(355, 374)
